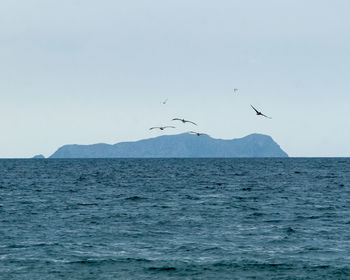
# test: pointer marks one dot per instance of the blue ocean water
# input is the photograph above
(175, 219)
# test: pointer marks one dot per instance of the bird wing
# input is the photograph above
(266, 116)
(255, 109)
(197, 133)
(176, 119)
(191, 122)
(153, 127)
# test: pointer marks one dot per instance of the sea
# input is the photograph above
(282, 218)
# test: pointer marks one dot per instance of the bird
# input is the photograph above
(184, 121)
(235, 90)
(165, 101)
(198, 133)
(259, 113)
(162, 127)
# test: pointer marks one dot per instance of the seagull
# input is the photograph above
(165, 101)
(259, 113)
(183, 120)
(235, 90)
(161, 127)
(197, 133)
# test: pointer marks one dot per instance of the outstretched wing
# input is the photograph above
(198, 133)
(266, 116)
(176, 119)
(154, 127)
(191, 122)
(255, 109)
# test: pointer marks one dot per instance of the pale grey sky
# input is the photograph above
(87, 71)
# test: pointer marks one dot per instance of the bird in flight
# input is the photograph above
(198, 133)
(162, 127)
(235, 90)
(259, 113)
(183, 120)
(165, 101)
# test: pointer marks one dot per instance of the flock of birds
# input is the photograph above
(235, 90)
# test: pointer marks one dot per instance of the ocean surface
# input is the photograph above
(175, 219)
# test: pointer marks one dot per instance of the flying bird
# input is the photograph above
(235, 90)
(184, 121)
(198, 133)
(259, 113)
(165, 101)
(162, 127)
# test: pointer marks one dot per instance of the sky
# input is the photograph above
(87, 71)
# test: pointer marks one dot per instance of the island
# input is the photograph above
(178, 146)
(38, 156)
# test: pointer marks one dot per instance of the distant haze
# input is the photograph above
(84, 71)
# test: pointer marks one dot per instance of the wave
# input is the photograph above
(133, 198)
(109, 261)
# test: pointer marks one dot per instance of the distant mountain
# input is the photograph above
(178, 146)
